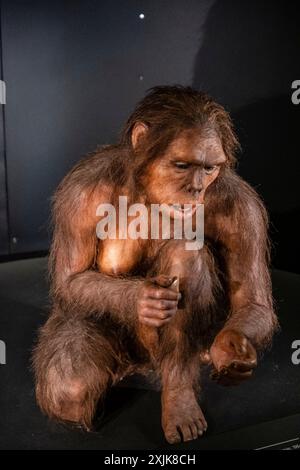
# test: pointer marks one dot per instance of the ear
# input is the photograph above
(139, 130)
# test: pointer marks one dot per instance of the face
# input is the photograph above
(190, 164)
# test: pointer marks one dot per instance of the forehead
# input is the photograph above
(196, 145)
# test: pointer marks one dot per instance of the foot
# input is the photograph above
(182, 417)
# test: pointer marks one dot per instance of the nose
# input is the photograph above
(197, 184)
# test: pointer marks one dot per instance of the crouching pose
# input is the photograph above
(128, 304)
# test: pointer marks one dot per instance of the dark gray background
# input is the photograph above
(73, 73)
(4, 234)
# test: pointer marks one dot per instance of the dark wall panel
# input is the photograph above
(248, 60)
(74, 70)
(4, 242)
(4, 234)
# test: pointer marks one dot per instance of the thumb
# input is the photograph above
(166, 281)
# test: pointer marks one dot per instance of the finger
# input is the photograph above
(229, 377)
(228, 373)
(161, 304)
(175, 284)
(153, 322)
(234, 374)
(157, 314)
(163, 293)
(246, 350)
(166, 281)
(241, 346)
(163, 280)
(243, 365)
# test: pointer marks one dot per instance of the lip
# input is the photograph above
(185, 211)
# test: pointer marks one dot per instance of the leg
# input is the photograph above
(74, 363)
(183, 338)
(182, 417)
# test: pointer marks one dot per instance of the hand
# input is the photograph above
(233, 356)
(157, 301)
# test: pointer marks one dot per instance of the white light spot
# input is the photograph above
(141, 16)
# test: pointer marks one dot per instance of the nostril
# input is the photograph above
(198, 187)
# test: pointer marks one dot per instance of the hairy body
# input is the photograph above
(116, 308)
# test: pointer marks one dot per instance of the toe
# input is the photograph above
(203, 420)
(186, 432)
(194, 430)
(172, 435)
(200, 427)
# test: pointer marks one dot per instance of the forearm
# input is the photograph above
(250, 295)
(257, 322)
(245, 249)
(94, 293)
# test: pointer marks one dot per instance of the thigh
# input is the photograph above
(89, 349)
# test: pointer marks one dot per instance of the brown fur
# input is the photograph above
(93, 336)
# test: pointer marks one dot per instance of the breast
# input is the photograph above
(117, 257)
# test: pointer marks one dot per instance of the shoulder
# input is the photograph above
(231, 194)
(234, 206)
(106, 164)
(93, 178)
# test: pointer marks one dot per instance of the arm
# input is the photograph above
(79, 288)
(245, 250)
(82, 290)
(251, 321)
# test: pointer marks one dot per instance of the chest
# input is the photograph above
(117, 257)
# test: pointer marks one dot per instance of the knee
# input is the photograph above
(68, 398)
(52, 390)
(176, 260)
(75, 390)
(197, 272)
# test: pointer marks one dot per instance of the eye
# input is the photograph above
(182, 165)
(210, 169)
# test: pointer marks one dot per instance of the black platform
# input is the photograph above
(262, 412)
